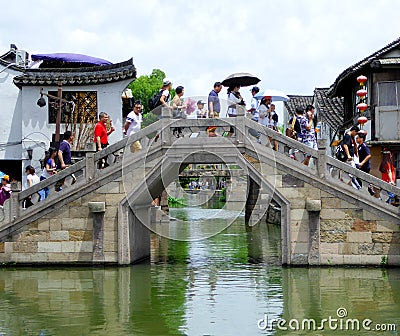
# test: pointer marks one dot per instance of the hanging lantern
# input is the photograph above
(362, 79)
(362, 107)
(362, 120)
(362, 93)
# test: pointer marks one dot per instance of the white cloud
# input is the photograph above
(291, 45)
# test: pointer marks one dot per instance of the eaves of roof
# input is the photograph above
(331, 110)
(297, 100)
(77, 76)
(360, 65)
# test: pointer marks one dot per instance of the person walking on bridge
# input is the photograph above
(214, 105)
(64, 157)
(133, 124)
(101, 135)
(295, 130)
(308, 132)
(364, 156)
(350, 149)
(388, 172)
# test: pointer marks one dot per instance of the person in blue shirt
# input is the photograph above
(64, 157)
(214, 105)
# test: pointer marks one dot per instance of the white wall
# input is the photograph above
(36, 131)
(10, 125)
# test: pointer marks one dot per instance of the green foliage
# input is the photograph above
(148, 119)
(145, 87)
(222, 198)
(176, 201)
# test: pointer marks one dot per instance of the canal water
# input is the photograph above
(229, 284)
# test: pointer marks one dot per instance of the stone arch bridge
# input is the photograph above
(99, 219)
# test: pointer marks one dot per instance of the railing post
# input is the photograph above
(321, 164)
(240, 124)
(165, 129)
(90, 169)
(15, 206)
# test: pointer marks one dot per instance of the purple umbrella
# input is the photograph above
(68, 57)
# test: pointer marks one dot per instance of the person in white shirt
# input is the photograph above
(201, 111)
(264, 110)
(234, 98)
(133, 124)
(31, 180)
(254, 104)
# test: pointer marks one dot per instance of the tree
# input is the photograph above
(145, 87)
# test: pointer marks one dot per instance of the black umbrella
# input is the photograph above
(240, 79)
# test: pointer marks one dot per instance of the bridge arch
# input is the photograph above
(324, 221)
(135, 209)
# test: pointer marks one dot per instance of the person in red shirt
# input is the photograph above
(101, 134)
(388, 172)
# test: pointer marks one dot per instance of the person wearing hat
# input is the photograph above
(5, 192)
(211, 131)
(133, 124)
(164, 101)
(201, 111)
(254, 104)
(165, 96)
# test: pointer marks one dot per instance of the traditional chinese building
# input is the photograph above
(382, 69)
(336, 107)
(89, 84)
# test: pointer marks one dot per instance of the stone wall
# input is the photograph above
(318, 227)
(66, 235)
(326, 230)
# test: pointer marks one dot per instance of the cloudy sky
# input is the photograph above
(292, 45)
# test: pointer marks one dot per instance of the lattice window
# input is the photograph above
(78, 117)
(84, 111)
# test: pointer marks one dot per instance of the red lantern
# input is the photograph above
(362, 93)
(362, 107)
(362, 79)
(362, 120)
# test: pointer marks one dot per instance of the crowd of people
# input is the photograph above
(301, 127)
(356, 152)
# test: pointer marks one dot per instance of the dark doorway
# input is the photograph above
(13, 168)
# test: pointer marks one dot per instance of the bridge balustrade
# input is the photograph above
(249, 137)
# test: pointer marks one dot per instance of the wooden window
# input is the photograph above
(388, 93)
(388, 117)
(83, 109)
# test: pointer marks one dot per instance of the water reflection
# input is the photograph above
(219, 286)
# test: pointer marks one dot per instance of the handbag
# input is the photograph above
(290, 132)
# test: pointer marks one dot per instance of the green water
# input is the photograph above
(229, 284)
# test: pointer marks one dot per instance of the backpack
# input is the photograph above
(340, 153)
(154, 101)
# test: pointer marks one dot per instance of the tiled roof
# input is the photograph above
(358, 66)
(77, 76)
(331, 110)
(388, 61)
(295, 101)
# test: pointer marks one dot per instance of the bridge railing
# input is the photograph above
(322, 166)
(78, 174)
(162, 134)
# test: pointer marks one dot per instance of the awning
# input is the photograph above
(72, 58)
